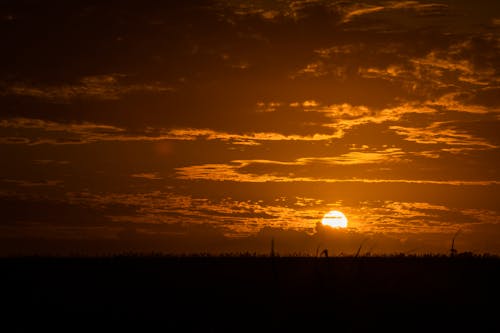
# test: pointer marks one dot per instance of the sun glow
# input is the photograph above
(335, 219)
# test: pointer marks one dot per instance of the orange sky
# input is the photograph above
(215, 126)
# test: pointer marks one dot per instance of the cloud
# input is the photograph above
(104, 87)
(388, 73)
(186, 223)
(267, 107)
(320, 68)
(235, 218)
(50, 126)
(338, 120)
(341, 118)
(232, 217)
(341, 61)
(462, 66)
(242, 139)
(353, 11)
(429, 8)
(345, 117)
(452, 102)
(270, 11)
(30, 183)
(443, 133)
(168, 218)
(344, 49)
(351, 158)
(235, 172)
(392, 217)
(38, 131)
(348, 10)
(51, 162)
(360, 10)
(244, 9)
(147, 175)
(437, 63)
(316, 69)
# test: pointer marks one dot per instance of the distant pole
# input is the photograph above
(272, 247)
(453, 251)
(359, 248)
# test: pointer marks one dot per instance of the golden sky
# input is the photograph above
(215, 126)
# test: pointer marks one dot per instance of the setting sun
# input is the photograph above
(335, 219)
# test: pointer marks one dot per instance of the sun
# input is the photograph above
(335, 219)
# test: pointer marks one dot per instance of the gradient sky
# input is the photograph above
(215, 126)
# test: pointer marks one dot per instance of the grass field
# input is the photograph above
(250, 293)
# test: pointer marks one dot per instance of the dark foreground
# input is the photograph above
(234, 294)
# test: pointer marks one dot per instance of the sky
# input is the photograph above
(217, 126)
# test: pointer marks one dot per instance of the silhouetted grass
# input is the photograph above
(357, 255)
(244, 291)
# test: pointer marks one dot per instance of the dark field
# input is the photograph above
(234, 294)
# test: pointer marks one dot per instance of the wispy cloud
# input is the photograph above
(351, 158)
(418, 6)
(348, 10)
(339, 119)
(243, 139)
(360, 10)
(106, 87)
(238, 218)
(51, 162)
(51, 126)
(270, 10)
(236, 172)
(413, 217)
(31, 183)
(451, 102)
(443, 133)
(147, 175)
(353, 11)
(345, 117)
(234, 217)
(268, 107)
(387, 73)
(320, 68)
(451, 69)
(437, 63)
(38, 131)
(343, 49)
